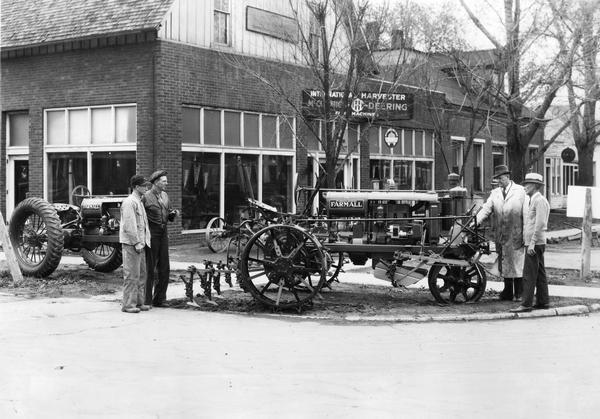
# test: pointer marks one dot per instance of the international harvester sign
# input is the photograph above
(370, 105)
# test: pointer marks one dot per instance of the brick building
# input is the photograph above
(95, 93)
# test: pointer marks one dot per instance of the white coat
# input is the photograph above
(508, 227)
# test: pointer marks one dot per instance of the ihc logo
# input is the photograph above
(357, 105)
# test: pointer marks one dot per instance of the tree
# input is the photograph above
(432, 54)
(583, 85)
(335, 38)
(526, 82)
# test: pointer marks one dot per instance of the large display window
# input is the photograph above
(229, 156)
(200, 193)
(91, 148)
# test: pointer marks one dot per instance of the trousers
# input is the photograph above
(134, 276)
(159, 268)
(534, 278)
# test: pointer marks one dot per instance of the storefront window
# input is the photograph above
(423, 176)
(269, 131)
(403, 174)
(200, 191)
(66, 171)
(251, 130)
(241, 182)
(232, 128)
(408, 142)
(286, 132)
(111, 172)
(18, 125)
(191, 125)
(212, 127)
(418, 143)
(380, 173)
(277, 182)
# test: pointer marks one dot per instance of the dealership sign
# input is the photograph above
(371, 105)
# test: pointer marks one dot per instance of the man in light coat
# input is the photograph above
(134, 236)
(534, 235)
(506, 204)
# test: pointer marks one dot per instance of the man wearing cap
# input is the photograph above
(134, 236)
(506, 204)
(159, 210)
(534, 236)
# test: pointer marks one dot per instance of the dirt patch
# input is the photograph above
(68, 281)
(341, 300)
(364, 300)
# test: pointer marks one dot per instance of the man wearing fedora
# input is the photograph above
(534, 236)
(505, 203)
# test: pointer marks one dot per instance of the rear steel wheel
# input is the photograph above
(454, 284)
(283, 267)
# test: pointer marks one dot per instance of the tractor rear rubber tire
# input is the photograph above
(44, 229)
(101, 263)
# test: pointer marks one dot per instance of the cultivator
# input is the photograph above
(286, 262)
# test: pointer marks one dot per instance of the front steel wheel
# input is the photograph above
(216, 235)
(37, 236)
(455, 284)
(283, 267)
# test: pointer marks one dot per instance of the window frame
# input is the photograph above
(222, 150)
(227, 15)
(477, 142)
(460, 143)
(15, 150)
(87, 148)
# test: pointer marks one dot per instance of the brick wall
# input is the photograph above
(187, 75)
(111, 75)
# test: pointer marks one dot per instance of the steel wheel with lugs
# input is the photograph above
(283, 267)
(456, 284)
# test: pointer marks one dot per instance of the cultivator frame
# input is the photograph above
(287, 263)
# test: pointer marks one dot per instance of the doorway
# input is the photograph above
(17, 171)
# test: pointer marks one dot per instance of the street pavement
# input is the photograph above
(72, 358)
(83, 357)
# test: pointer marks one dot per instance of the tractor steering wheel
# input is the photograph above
(78, 193)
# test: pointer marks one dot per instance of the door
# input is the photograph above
(17, 171)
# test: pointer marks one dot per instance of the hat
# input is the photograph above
(534, 178)
(501, 170)
(137, 180)
(157, 175)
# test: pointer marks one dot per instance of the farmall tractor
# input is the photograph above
(40, 231)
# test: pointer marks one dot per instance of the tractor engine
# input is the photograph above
(387, 217)
(100, 219)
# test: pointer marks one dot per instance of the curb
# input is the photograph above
(551, 312)
(426, 318)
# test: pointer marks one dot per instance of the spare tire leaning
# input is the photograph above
(37, 237)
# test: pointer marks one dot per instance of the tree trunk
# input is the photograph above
(516, 152)
(586, 163)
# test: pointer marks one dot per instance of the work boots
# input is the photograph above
(507, 292)
(518, 288)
